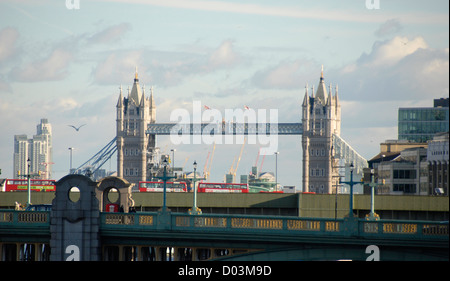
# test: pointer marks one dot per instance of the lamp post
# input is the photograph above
(28, 183)
(276, 170)
(70, 161)
(372, 215)
(351, 183)
(165, 178)
(195, 210)
(28, 176)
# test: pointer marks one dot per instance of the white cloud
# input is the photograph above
(53, 67)
(118, 66)
(286, 75)
(389, 27)
(164, 68)
(348, 13)
(399, 69)
(8, 39)
(390, 52)
(110, 35)
(224, 55)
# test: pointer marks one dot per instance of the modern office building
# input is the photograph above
(438, 170)
(420, 124)
(35, 153)
(405, 175)
(406, 168)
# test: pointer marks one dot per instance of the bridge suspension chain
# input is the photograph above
(94, 163)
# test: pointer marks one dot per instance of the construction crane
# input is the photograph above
(185, 161)
(207, 168)
(206, 165)
(234, 170)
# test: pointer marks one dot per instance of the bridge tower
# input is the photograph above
(134, 147)
(321, 119)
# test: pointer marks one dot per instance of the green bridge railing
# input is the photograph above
(11, 220)
(423, 230)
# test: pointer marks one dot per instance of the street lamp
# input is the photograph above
(70, 149)
(195, 210)
(28, 183)
(351, 183)
(372, 215)
(165, 163)
(276, 170)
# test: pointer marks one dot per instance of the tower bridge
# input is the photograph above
(324, 150)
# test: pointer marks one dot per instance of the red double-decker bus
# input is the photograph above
(12, 185)
(158, 186)
(223, 187)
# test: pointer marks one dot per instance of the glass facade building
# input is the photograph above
(421, 124)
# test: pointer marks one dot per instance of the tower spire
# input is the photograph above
(321, 93)
(136, 74)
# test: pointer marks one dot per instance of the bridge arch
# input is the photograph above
(123, 189)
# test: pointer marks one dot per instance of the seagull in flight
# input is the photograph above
(76, 127)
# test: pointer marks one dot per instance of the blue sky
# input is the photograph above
(67, 65)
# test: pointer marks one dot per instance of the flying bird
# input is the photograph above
(76, 127)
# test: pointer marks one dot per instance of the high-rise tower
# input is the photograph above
(37, 150)
(134, 112)
(321, 119)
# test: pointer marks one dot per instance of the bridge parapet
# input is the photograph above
(254, 233)
(421, 230)
(241, 223)
(24, 217)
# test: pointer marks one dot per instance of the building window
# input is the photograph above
(404, 174)
(406, 188)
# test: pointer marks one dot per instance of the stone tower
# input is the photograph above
(134, 112)
(321, 119)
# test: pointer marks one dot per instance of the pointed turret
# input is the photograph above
(329, 100)
(306, 98)
(143, 100)
(120, 101)
(135, 94)
(336, 96)
(321, 93)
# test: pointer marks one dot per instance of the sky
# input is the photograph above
(65, 61)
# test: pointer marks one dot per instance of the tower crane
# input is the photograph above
(234, 170)
(207, 168)
(206, 165)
